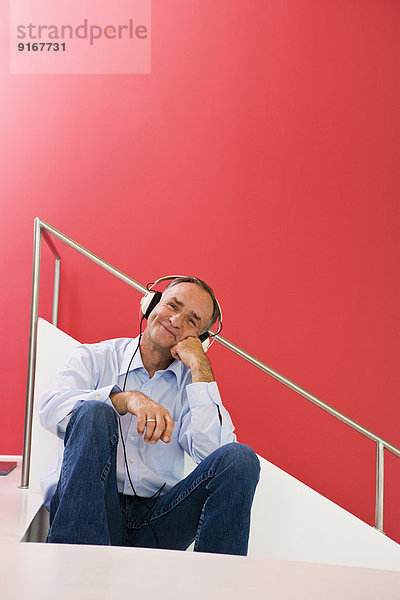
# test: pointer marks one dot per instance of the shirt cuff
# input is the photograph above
(201, 393)
(115, 390)
(101, 395)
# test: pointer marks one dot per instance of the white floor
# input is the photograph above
(46, 571)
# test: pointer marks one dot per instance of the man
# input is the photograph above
(126, 411)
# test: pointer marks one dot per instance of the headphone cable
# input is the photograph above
(157, 494)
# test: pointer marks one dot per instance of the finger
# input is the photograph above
(174, 352)
(150, 426)
(158, 430)
(169, 427)
(141, 422)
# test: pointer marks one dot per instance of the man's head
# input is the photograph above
(216, 314)
(187, 308)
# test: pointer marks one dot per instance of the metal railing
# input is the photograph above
(41, 228)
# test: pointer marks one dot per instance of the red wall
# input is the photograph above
(261, 154)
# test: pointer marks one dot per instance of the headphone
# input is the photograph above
(153, 297)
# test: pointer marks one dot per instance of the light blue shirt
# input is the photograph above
(94, 371)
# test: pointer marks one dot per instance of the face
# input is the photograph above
(183, 311)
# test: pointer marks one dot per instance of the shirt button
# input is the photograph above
(146, 388)
(97, 397)
(130, 485)
(131, 460)
(132, 438)
(202, 392)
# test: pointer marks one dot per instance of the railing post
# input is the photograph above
(379, 486)
(56, 291)
(30, 386)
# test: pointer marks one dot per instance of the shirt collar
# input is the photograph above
(176, 367)
(128, 353)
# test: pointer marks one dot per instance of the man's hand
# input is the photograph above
(190, 352)
(152, 417)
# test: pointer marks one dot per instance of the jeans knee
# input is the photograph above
(243, 459)
(97, 409)
(96, 415)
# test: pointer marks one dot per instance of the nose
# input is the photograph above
(176, 320)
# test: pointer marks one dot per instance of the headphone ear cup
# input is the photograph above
(148, 302)
(205, 340)
(206, 344)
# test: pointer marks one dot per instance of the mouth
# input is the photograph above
(168, 330)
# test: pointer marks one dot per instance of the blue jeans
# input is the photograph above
(210, 506)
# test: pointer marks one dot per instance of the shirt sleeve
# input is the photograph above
(207, 424)
(76, 382)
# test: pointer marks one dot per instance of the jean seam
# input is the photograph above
(105, 471)
(196, 539)
(106, 468)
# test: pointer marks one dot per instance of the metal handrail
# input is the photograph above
(41, 226)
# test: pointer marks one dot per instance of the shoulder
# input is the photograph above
(100, 351)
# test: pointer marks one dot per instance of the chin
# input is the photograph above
(162, 342)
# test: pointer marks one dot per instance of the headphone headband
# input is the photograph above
(168, 277)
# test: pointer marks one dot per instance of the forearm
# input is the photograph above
(55, 404)
(78, 379)
(119, 401)
(202, 372)
(191, 353)
(207, 424)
